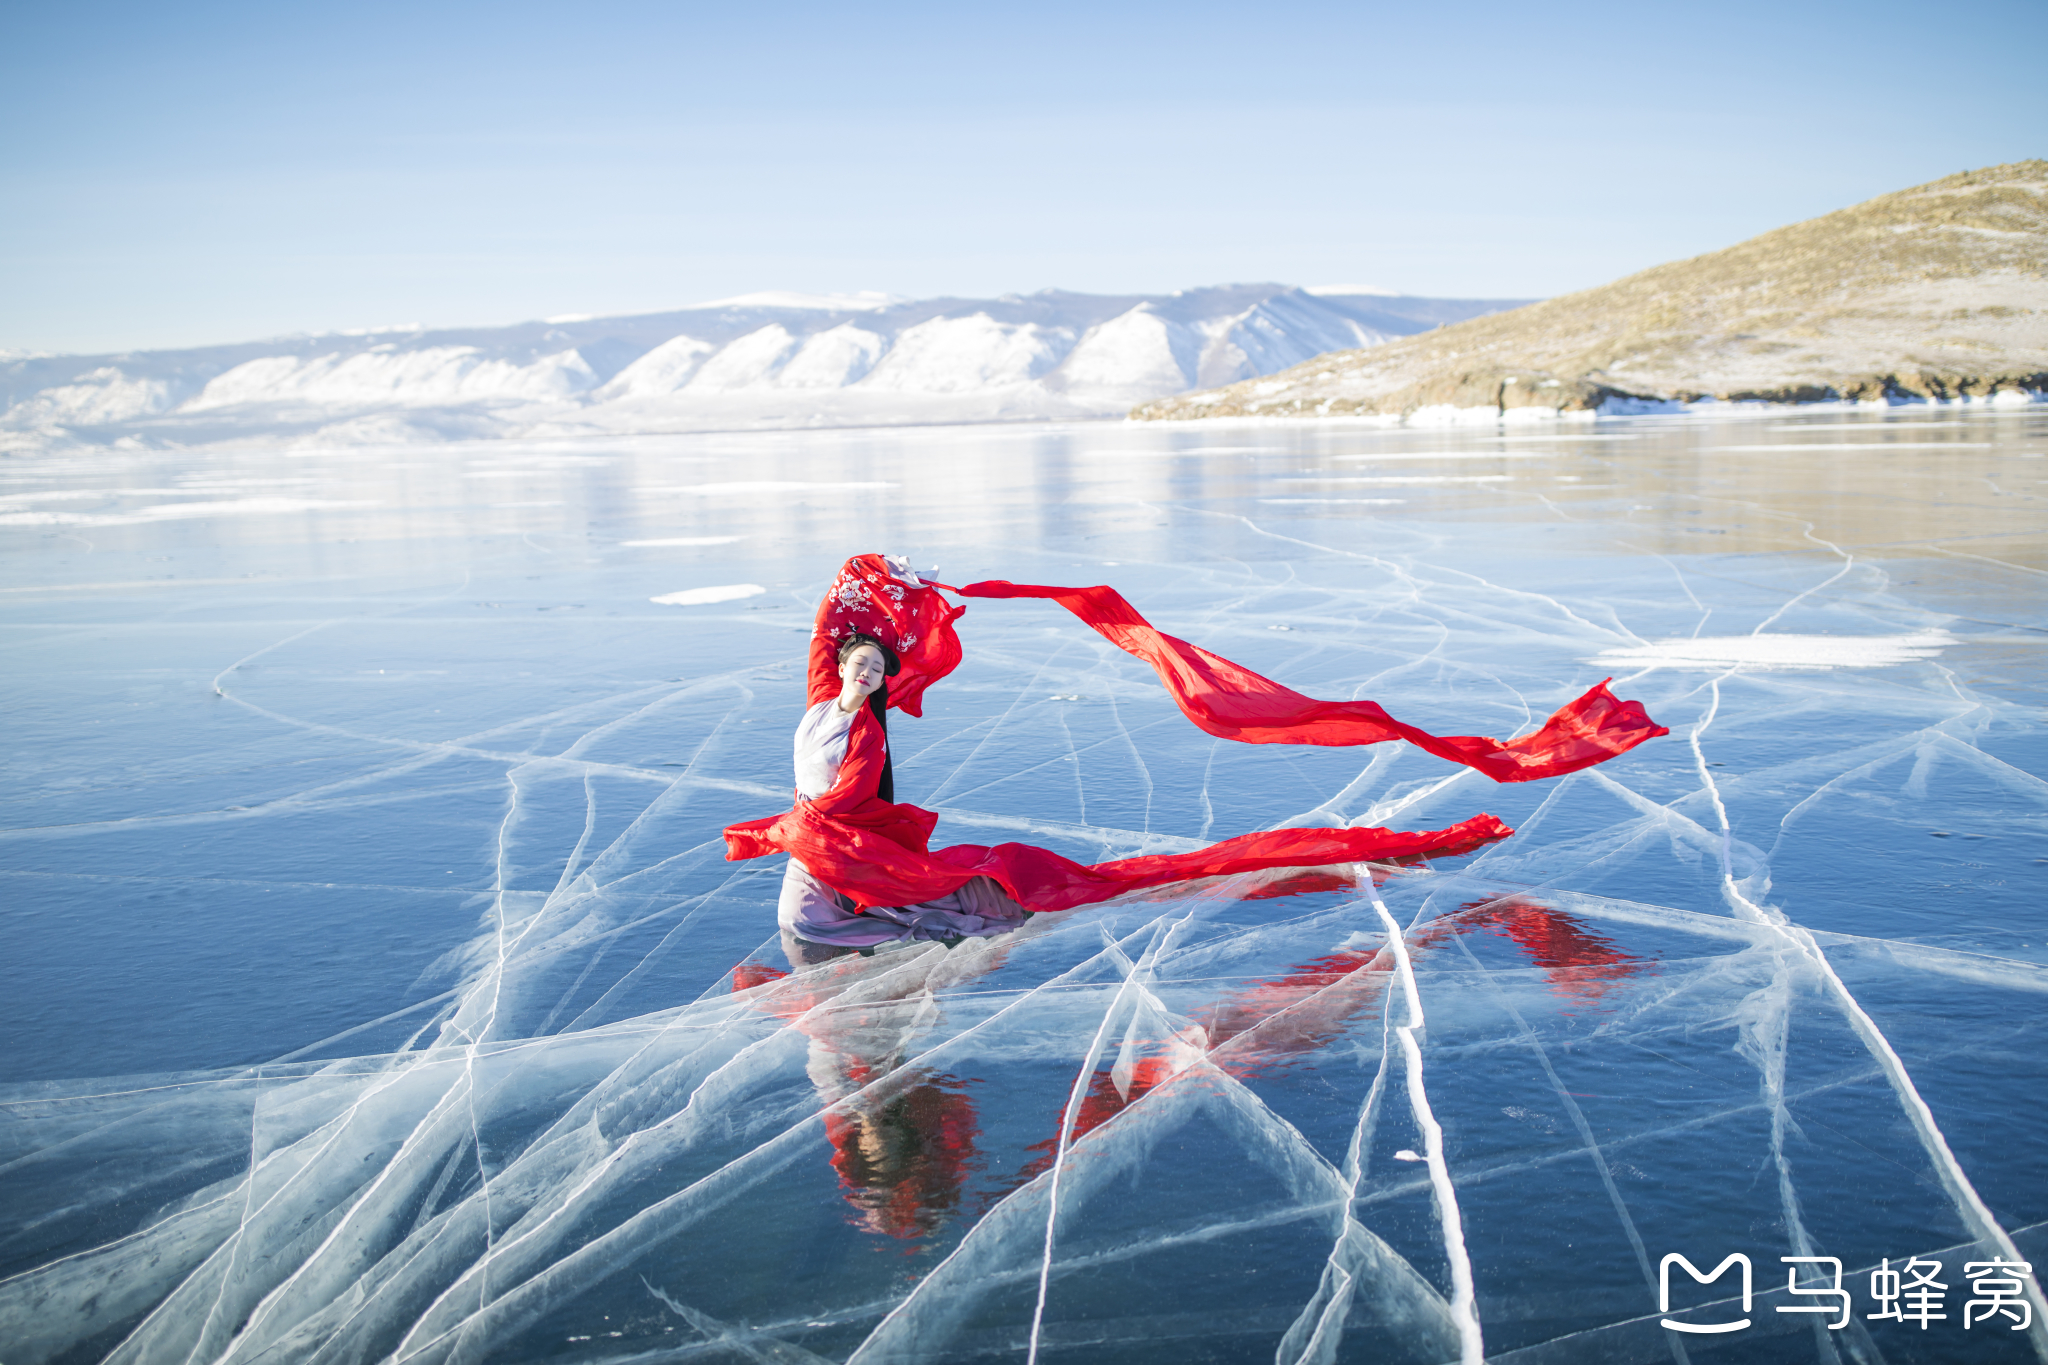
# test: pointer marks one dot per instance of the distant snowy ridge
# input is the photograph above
(757, 360)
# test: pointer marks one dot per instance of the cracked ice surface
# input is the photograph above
(375, 988)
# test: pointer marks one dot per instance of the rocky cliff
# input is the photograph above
(1940, 291)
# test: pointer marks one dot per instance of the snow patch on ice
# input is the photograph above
(180, 511)
(770, 486)
(1774, 652)
(1410, 478)
(62, 495)
(373, 429)
(698, 597)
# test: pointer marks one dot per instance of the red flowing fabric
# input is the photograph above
(872, 597)
(877, 852)
(1232, 702)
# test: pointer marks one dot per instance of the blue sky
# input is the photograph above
(216, 172)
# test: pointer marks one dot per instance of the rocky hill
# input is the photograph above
(763, 360)
(1940, 291)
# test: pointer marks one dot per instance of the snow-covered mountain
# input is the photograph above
(775, 359)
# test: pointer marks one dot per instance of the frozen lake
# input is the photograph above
(374, 986)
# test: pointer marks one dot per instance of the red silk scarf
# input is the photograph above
(1232, 702)
(878, 853)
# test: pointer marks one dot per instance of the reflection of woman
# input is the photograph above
(841, 764)
(904, 1138)
(862, 871)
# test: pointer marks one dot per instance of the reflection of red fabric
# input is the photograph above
(878, 853)
(1301, 884)
(1239, 1014)
(1303, 1009)
(748, 975)
(917, 623)
(1102, 1103)
(1581, 964)
(1232, 702)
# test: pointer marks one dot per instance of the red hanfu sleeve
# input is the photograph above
(1232, 702)
(868, 596)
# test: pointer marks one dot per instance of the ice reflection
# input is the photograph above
(371, 851)
(905, 1139)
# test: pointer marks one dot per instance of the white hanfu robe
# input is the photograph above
(814, 913)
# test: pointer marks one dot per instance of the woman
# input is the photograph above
(861, 869)
(812, 912)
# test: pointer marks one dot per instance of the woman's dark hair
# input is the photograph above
(878, 702)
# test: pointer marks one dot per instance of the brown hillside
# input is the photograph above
(1936, 291)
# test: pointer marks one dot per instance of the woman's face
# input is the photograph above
(862, 669)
